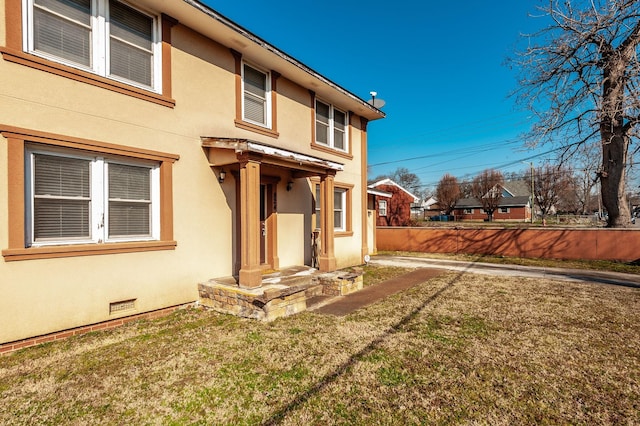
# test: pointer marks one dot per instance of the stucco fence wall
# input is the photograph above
(589, 244)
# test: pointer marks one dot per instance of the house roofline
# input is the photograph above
(392, 183)
(277, 59)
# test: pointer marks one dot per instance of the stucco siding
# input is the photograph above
(46, 294)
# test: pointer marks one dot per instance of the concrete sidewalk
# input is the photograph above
(477, 267)
(344, 305)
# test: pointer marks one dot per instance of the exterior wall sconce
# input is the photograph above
(289, 185)
(221, 176)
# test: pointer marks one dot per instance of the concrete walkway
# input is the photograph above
(477, 267)
(429, 268)
(344, 305)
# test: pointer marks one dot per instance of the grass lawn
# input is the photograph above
(460, 348)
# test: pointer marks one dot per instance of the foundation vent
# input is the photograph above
(124, 305)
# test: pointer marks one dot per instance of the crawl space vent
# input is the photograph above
(123, 305)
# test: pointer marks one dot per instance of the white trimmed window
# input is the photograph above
(76, 197)
(331, 126)
(340, 209)
(468, 211)
(505, 210)
(107, 37)
(382, 207)
(317, 206)
(256, 99)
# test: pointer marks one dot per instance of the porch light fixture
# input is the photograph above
(221, 176)
(289, 185)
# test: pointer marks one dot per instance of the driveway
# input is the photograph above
(476, 267)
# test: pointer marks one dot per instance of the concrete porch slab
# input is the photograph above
(282, 293)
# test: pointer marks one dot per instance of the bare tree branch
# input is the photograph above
(581, 79)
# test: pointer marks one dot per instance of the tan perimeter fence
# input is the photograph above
(589, 244)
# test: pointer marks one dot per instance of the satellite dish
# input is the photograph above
(376, 103)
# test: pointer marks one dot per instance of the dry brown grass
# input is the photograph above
(458, 349)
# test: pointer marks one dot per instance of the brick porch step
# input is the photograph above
(282, 293)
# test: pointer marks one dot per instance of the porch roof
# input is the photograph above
(226, 151)
(373, 191)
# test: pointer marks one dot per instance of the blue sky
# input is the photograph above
(438, 65)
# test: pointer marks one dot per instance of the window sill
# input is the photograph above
(343, 234)
(255, 128)
(330, 150)
(42, 64)
(52, 252)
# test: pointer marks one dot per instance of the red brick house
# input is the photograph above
(515, 205)
(396, 210)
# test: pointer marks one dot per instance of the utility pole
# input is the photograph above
(533, 196)
(533, 210)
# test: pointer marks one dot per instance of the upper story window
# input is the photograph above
(75, 197)
(331, 126)
(105, 37)
(256, 100)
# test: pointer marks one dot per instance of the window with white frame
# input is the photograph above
(340, 209)
(256, 100)
(75, 197)
(468, 211)
(317, 206)
(331, 126)
(107, 37)
(504, 210)
(382, 207)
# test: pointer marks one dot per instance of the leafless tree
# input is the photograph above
(406, 179)
(581, 79)
(551, 185)
(466, 189)
(487, 188)
(448, 193)
(587, 163)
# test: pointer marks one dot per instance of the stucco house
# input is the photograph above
(148, 146)
(514, 205)
(396, 210)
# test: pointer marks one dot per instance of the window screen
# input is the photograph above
(63, 28)
(131, 36)
(339, 124)
(255, 95)
(338, 208)
(322, 123)
(129, 200)
(62, 197)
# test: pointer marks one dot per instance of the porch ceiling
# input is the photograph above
(227, 151)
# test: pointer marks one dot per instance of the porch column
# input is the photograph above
(327, 258)
(250, 275)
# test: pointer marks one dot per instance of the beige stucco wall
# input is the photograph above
(291, 239)
(47, 295)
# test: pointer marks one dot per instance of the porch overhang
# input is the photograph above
(248, 161)
(229, 151)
